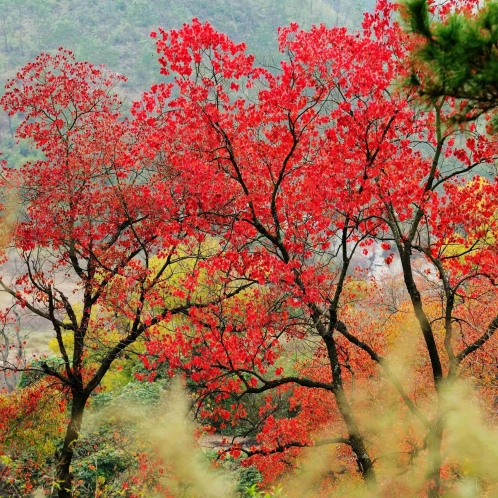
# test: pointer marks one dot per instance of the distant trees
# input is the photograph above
(115, 32)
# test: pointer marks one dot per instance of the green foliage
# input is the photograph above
(249, 478)
(418, 19)
(30, 377)
(102, 466)
(253, 492)
(459, 54)
(142, 393)
(133, 394)
(105, 457)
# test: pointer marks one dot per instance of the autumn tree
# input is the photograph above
(310, 165)
(292, 157)
(98, 213)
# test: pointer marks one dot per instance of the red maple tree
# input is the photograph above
(310, 165)
(95, 213)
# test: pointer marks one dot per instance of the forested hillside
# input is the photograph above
(116, 33)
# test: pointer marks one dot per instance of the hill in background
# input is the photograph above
(116, 33)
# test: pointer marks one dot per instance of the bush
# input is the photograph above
(249, 478)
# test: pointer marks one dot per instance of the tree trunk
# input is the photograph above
(64, 458)
(365, 464)
(434, 440)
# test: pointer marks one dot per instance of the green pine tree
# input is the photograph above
(459, 57)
